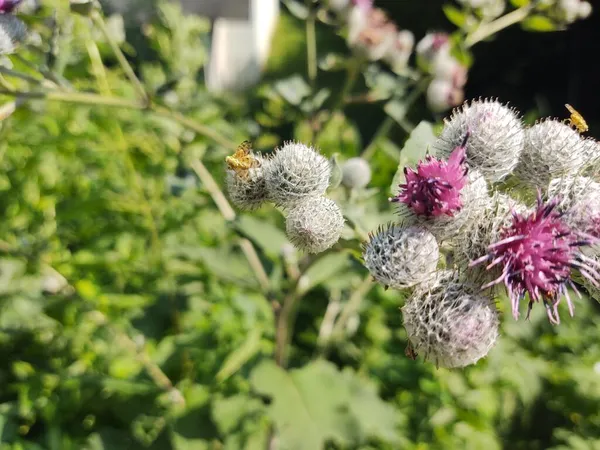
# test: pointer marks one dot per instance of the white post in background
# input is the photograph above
(240, 47)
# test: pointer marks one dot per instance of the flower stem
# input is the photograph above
(491, 28)
(129, 72)
(229, 214)
(311, 44)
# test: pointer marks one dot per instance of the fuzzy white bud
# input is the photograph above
(356, 173)
(496, 137)
(295, 173)
(579, 199)
(451, 322)
(401, 257)
(552, 149)
(315, 224)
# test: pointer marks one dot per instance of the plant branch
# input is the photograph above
(491, 28)
(311, 44)
(98, 20)
(229, 214)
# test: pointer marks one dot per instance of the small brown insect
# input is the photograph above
(410, 351)
(242, 160)
(576, 120)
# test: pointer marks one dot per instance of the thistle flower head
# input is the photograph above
(7, 6)
(401, 257)
(434, 188)
(356, 173)
(475, 201)
(315, 224)
(552, 149)
(247, 189)
(536, 253)
(12, 32)
(295, 173)
(450, 321)
(496, 137)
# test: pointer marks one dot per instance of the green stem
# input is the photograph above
(491, 28)
(129, 72)
(389, 122)
(286, 320)
(311, 44)
(229, 214)
(381, 132)
(91, 99)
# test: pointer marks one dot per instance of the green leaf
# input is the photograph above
(241, 355)
(539, 23)
(228, 413)
(336, 172)
(415, 149)
(293, 89)
(317, 403)
(267, 236)
(396, 110)
(321, 270)
(455, 15)
(520, 3)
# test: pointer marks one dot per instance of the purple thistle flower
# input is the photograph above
(434, 188)
(7, 6)
(537, 252)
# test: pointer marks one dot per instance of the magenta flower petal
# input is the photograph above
(433, 189)
(536, 253)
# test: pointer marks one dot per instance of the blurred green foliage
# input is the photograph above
(130, 319)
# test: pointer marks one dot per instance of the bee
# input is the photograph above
(410, 351)
(242, 160)
(576, 120)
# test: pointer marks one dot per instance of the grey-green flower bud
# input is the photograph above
(496, 137)
(314, 224)
(401, 257)
(295, 173)
(356, 173)
(450, 322)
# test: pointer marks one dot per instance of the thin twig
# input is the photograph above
(129, 72)
(311, 44)
(229, 214)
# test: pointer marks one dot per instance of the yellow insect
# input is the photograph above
(576, 120)
(242, 160)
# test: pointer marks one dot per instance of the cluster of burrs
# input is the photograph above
(496, 203)
(295, 179)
